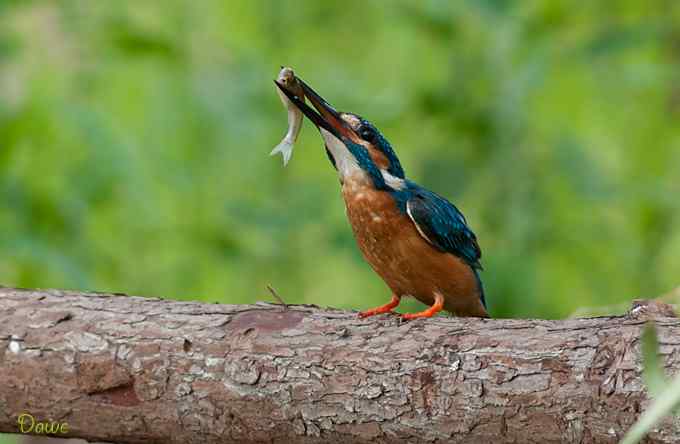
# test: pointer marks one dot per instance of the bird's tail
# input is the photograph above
(481, 288)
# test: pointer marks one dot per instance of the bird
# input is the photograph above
(417, 241)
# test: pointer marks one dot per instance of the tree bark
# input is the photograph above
(140, 370)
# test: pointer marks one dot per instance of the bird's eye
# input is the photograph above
(367, 134)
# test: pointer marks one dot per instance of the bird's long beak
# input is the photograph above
(325, 116)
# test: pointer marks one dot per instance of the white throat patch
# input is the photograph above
(345, 161)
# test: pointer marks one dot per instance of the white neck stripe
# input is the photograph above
(392, 181)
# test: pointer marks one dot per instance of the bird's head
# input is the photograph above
(352, 142)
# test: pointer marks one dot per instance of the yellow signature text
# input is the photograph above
(28, 424)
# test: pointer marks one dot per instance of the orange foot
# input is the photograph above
(382, 309)
(436, 307)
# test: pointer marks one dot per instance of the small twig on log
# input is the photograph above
(277, 297)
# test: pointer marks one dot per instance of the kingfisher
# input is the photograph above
(418, 242)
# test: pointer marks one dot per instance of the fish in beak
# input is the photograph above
(324, 116)
(352, 143)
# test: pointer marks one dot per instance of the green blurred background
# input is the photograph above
(135, 139)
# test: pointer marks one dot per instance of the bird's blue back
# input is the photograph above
(442, 224)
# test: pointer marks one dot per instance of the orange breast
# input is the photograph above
(407, 263)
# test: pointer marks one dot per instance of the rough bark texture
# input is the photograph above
(139, 370)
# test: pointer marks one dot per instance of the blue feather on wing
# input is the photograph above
(443, 225)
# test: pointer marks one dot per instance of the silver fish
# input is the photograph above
(287, 79)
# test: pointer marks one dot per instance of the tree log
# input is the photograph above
(141, 370)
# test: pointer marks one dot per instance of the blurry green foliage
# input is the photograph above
(664, 392)
(653, 372)
(134, 141)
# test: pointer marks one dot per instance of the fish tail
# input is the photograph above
(286, 150)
